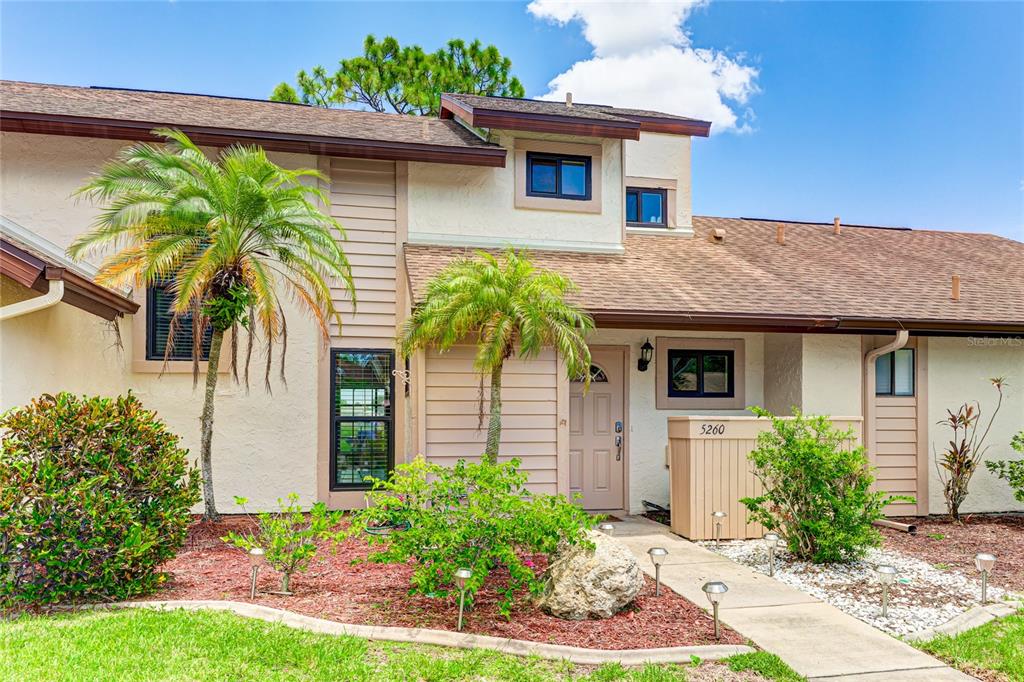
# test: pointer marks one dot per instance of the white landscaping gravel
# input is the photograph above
(923, 597)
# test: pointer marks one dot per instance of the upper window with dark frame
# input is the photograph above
(159, 301)
(646, 207)
(558, 176)
(362, 417)
(701, 373)
(894, 373)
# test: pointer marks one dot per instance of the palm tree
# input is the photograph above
(506, 306)
(226, 235)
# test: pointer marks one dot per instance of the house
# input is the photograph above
(695, 315)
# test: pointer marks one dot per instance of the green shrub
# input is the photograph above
(94, 495)
(288, 537)
(1012, 471)
(475, 516)
(816, 490)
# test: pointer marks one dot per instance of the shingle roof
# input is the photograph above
(558, 108)
(176, 109)
(862, 274)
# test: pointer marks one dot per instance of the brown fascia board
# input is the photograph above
(538, 123)
(84, 126)
(671, 126)
(79, 291)
(799, 324)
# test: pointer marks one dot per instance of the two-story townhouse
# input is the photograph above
(695, 315)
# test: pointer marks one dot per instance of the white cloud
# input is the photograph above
(644, 59)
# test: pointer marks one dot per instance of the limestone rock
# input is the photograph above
(592, 583)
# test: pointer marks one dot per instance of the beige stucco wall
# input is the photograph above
(783, 372)
(958, 371)
(667, 157)
(648, 426)
(473, 205)
(831, 375)
(264, 445)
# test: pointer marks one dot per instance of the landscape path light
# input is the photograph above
(607, 528)
(461, 576)
(984, 563)
(715, 590)
(256, 560)
(771, 540)
(886, 576)
(657, 555)
(718, 516)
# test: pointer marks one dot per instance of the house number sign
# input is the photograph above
(712, 429)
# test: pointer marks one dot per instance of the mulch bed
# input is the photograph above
(940, 542)
(337, 589)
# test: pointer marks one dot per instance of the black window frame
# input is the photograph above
(152, 337)
(531, 157)
(700, 353)
(335, 418)
(892, 375)
(639, 191)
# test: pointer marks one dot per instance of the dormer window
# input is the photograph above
(646, 207)
(558, 176)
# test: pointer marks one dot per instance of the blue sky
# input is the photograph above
(883, 113)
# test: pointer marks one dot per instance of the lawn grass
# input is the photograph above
(141, 644)
(996, 647)
(765, 664)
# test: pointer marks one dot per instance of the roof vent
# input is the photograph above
(837, 227)
(716, 235)
(780, 234)
(955, 294)
(568, 99)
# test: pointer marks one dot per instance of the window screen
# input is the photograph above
(159, 299)
(362, 418)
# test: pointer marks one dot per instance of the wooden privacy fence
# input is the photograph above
(709, 471)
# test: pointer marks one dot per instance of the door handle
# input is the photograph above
(618, 444)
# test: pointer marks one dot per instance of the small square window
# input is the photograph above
(700, 373)
(558, 177)
(646, 207)
(894, 373)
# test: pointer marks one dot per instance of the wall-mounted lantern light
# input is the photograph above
(646, 352)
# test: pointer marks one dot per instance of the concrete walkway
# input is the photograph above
(816, 639)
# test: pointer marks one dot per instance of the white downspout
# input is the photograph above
(47, 300)
(902, 336)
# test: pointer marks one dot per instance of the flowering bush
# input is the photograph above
(288, 537)
(475, 516)
(817, 490)
(94, 495)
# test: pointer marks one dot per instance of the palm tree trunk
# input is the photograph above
(206, 420)
(494, 427)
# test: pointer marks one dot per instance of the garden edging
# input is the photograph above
(461, 640)
(970, 619)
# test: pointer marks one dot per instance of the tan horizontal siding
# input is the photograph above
(455, 431)
(363, 199)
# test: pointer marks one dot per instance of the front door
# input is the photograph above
(597, 434)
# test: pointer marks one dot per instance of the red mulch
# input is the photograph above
(378, 594)
(1001, 535)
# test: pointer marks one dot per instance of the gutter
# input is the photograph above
(52, 297)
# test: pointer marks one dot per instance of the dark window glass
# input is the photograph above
(894, 373)
(559, 177)
(632, 215)
(159, 300)
(646, 207)
(700, 373)
(544, 178)
(574, 178)
(361, 412)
